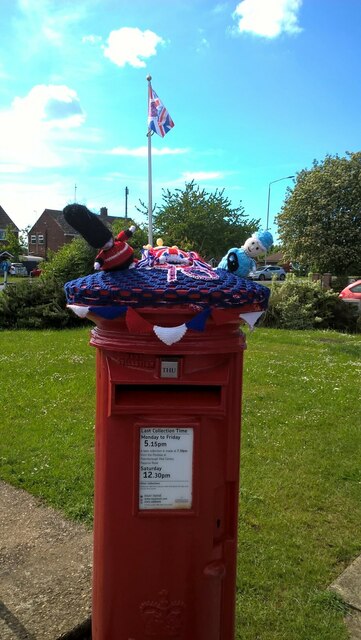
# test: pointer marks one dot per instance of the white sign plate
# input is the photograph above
(169, 369)
(166, 468)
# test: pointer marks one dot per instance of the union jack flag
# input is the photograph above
(159, 119)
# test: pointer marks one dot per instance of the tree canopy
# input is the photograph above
(12, 243)
(320, 222)
(201, 221)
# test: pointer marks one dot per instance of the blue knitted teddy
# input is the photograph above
(241, 261)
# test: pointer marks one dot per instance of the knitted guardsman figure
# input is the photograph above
(115, 253)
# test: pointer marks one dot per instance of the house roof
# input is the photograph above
(6, 255)
(275, 257)
(59, 217)
(6, 221)
(67, 228)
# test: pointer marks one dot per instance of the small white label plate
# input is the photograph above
(169, 368)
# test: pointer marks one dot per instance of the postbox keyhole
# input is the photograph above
(218, 523)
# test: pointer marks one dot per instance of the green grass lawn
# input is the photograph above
(300, 506)
(12, 279)
(47, 409)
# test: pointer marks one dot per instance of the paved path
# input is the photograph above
(348, 587)
(45, 569)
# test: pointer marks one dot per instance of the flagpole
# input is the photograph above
(150, 204)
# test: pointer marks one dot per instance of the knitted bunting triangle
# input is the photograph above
(79, 310)
(198, 323)
(169, 335)
(110, 313)
(137, 324)
(251, 318)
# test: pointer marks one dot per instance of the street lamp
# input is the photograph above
(268, 203)
(269, 194)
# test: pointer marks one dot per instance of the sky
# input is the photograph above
(257, 90)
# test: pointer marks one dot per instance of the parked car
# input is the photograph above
(35, 273)
(17, 269)
(268, 272)
(352, 291)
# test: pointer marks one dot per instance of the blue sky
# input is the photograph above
(257, 89)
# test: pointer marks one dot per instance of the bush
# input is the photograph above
(339, 283)
(35, 304)
(297, 304)
(71, 261)
(41, 303)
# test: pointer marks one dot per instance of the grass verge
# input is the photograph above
(48, 407)
(300, 482)
(300, 505)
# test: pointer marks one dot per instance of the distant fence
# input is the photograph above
(327, 279)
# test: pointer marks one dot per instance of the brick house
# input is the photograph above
(5, 222)
(51, 231)
(276, 259)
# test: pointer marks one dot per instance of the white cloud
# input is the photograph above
(3, 74)
(267, 18)
(131, 46)
(12, 168)
(42, 19)
(24, 202)
(32, 122)
(142, 152)
(221, 7)
(203, 44)
(92, 39)
(53, 105)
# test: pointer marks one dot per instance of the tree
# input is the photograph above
(320, 222)
(12, 243)
(23, 239)
(201, 221)
(72, 261)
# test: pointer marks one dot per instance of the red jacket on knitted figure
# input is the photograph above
(118, 255)
(115, 253)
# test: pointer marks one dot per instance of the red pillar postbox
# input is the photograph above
(166, 468)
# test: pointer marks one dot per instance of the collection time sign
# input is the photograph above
(166, 468)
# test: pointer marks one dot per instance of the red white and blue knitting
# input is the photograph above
(167, 277)
(175, 261)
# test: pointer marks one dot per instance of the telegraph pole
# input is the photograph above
(126, 201)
